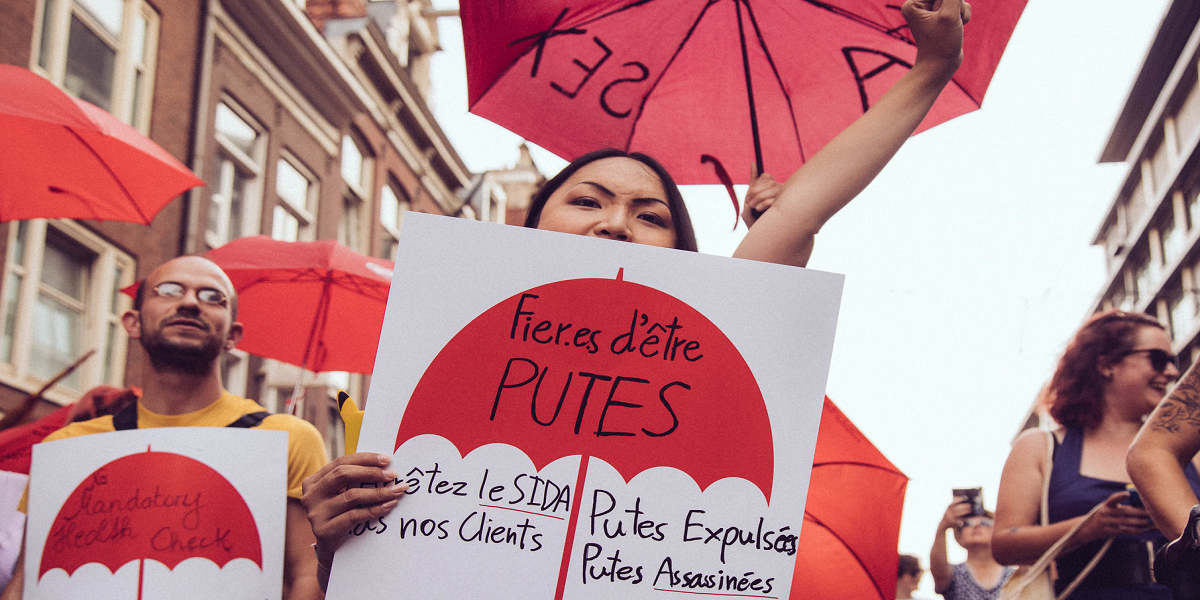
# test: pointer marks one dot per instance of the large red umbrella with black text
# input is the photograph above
(151, 505)
(703, 83)
(61, 157)
(847, 546)
(562, 395)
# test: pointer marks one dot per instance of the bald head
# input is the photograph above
(189, 265)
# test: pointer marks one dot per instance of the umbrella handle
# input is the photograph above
(575, 505)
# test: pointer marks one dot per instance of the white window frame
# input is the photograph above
(403, 204)
(125, 96)
(228, 159)
(304, 215)
(357, 193)
(99, 313)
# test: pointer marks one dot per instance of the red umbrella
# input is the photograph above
(559, 393)
(736, 82)
(147, 506)
(847, 547)
(318, 305)
(65, 158)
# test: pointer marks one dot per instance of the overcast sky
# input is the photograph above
(968, 261)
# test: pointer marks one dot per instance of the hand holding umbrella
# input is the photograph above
(843, 168)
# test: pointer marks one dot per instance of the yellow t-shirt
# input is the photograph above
(306, 451)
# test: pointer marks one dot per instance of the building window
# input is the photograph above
(1135, 203)
(293, 218)
(102, 51)
(1142, 276)
(356, 167)
(1187, 114)
(1182, 309)
(1193, 207)
(62, 298)
(1160, 165)
(1174, 239)
(393, 202)
(235, 178)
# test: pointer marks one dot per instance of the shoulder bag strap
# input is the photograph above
(1047, 466)
(1047, 558)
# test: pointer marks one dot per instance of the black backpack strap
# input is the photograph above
(126, 418)
(250, 420)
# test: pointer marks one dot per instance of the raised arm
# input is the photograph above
(840, 170)
(1168, 440)
(939, 566)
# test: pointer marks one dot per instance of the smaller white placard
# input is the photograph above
(179, 512)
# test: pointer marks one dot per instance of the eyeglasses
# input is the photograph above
(171, 289)
(1159, 359)
(985, 522)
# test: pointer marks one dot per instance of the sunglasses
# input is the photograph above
(985, 522)
(171, 289)
(1159, 359)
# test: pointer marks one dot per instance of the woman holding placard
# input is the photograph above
(630, 197)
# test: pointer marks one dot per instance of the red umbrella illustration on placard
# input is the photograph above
(151, 505)
(598, 367)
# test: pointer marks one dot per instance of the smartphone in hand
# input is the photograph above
(974, 497)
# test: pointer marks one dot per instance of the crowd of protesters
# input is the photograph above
(1097, 496)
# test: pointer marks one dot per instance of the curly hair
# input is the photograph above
(1077, 386)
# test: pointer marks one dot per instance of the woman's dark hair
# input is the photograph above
(908, 565)
(1077, 385)
(685, 236)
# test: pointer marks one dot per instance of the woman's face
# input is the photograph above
(617, 198)
(1133, 377)
(974, 531)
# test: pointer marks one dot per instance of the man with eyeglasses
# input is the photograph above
(185, 317)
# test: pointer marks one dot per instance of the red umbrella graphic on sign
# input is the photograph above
(598, 367)
(151, 505)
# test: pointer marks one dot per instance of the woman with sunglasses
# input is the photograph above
(980, 576)
(1112, 374)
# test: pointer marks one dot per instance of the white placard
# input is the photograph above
(659, 396)
(177, 512)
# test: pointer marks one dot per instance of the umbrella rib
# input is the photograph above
(535, 45)
(891, 32)
(787, 97)
(666, 67)
(108, 169)
(855, 463)
(809, 516)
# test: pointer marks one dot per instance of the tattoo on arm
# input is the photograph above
(1182, 406)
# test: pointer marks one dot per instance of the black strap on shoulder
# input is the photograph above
(127, 419)
(250, 420)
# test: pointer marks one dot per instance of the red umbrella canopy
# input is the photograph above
(847, 547)
(318, 305)
(77, 161)
(742, 82)
(151, 505)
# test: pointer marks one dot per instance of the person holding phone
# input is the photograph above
(980, 576)
(1112, 374)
